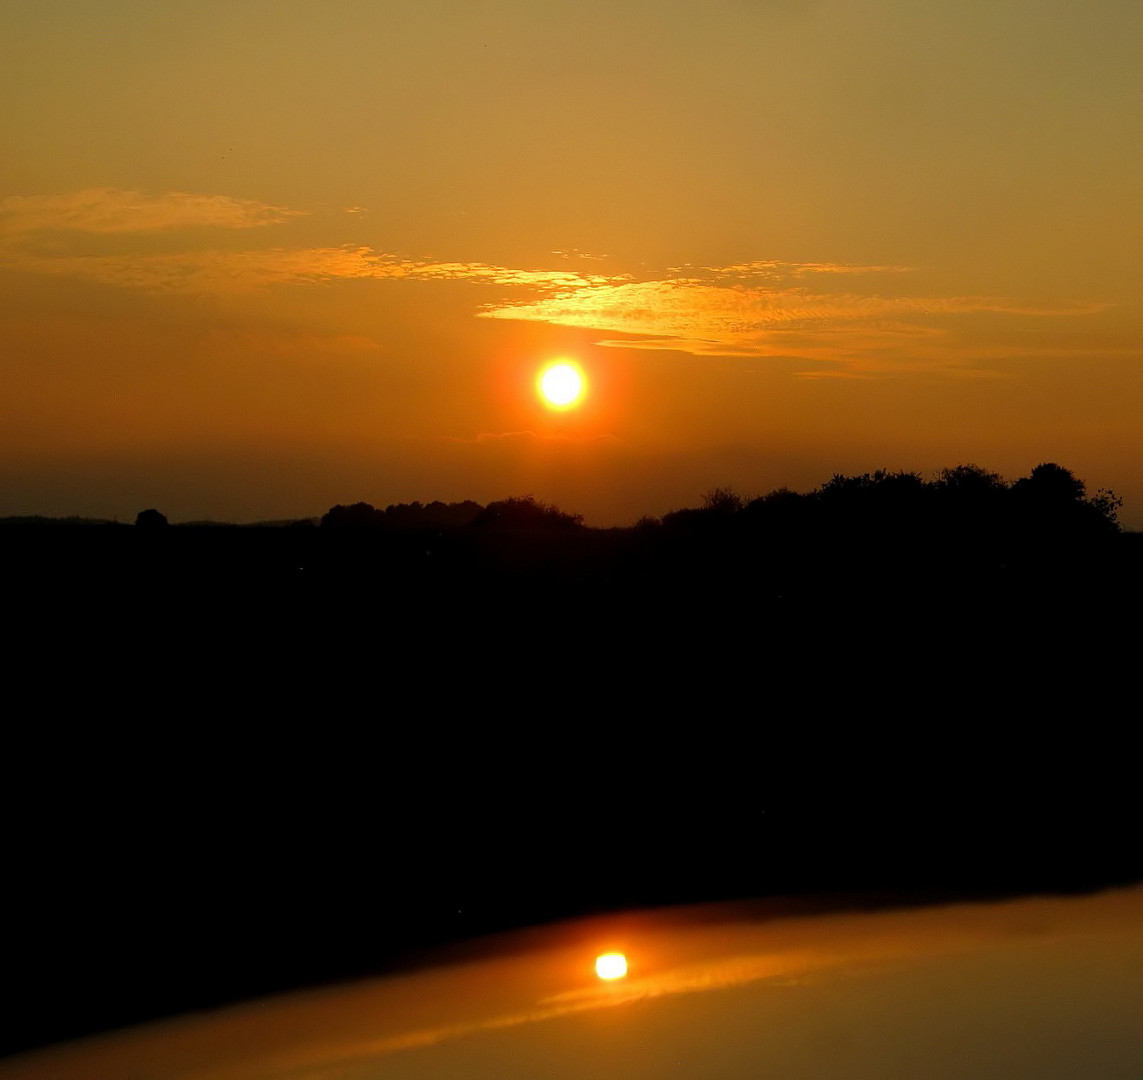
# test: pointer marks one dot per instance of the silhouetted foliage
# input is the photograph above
(1053, 499)
(885, 682)
(1107, 505)
(781, 517)
(875, 503)
(435, 515)
(360, 515)
(887, 491)
(526, 513)
(150, 519)
(971, 481)
(403, 516)
(1051, 483)
(722, 500)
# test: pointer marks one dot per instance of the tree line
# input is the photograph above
(1050, 498)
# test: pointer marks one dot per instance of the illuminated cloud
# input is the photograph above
(208, 271)
(774, 269)
(575, 253)
(496, 275)
(759, 308)
(108, 210)
(215, 271)
(711, 316)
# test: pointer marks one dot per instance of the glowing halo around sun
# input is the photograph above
(612, 965)
(561, 384)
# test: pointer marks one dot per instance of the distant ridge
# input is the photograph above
(40, 519)
(16, 520)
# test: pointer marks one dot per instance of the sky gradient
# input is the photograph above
(258, 258)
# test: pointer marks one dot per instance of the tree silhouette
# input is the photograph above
(1107, 504)
(358, 516)
(150, 519)
(722, 500)
(1052, 483)
(970, 482)
(525, 512)
(1053, 498)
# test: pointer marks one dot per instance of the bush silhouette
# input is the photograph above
(526, 513)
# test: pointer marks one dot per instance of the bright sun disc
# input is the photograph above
(612, 965)
(561, 385)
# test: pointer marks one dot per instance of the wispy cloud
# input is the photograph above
(205, 272)
(774, 269)
(110, 210)
(575, 253)
(708, 316)
(496, 275)
(757, 308)
(217, 271)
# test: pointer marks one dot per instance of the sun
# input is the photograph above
(612, 965)
(561, 384)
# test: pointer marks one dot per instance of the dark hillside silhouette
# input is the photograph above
(266, 756)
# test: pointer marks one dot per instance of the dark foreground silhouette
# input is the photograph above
(242, 759)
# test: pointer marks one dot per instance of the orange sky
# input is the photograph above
(261, 258)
